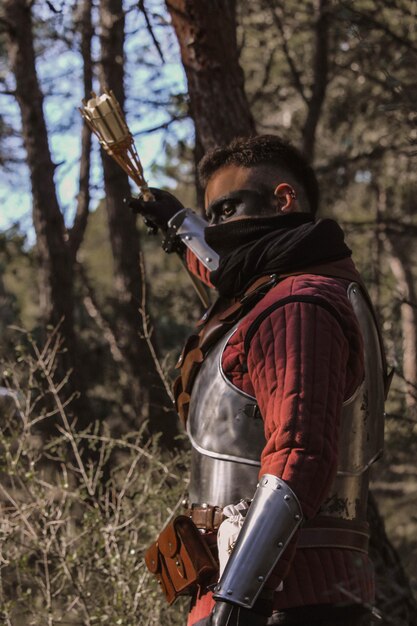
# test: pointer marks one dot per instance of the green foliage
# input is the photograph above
(18, 280)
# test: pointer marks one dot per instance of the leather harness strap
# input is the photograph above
(333, 538)
(206, 517)
(216, 321)
(317, 533)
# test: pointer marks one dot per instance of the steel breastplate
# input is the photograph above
(226, 433)
(361, 437)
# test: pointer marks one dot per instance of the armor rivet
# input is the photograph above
(229, 592)
(187, 237)
(208, 259)
(287, 497)
(297, 517)
(184, 502)
(204, 505)
(159, 582)
(246, 598)
(278, 486)
(177, 563)
(260, 579)
(280, 544)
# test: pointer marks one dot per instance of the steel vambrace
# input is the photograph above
(273, 517)
(189, 227)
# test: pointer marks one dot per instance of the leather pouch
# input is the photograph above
(181, 560)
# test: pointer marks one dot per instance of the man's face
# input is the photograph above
(232, 193)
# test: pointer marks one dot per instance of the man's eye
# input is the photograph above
(228, 207)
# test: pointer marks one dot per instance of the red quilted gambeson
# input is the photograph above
(303, 361)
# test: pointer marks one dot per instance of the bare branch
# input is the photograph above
(342, 160)
(163, 126)
(267, 73)
(141, 7)
(296, 76)
(94, 312)
(375, 23)
(148, 334)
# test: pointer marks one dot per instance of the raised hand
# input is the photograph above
(159, 211)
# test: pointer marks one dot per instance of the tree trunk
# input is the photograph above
(47, 218)
(55, 259)
(320, 77)
(85, 26)
(204, 31)
(400, 267)
(394, 597)
(148, 393)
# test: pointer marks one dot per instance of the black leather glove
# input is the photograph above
(158, 212)
(225, 614)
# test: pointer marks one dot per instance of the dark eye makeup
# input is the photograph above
(248, 200)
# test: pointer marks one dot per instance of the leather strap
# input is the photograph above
(332, 535)
(206, 517)
(333, 538)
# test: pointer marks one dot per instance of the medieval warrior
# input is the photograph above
(281, 390)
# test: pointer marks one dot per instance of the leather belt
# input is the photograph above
(317, 534)
(206, 517)
(333, 538)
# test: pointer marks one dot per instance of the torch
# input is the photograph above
(106, 120)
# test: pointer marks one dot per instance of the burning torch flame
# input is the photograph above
(106, 120)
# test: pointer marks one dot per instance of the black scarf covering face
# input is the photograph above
(253, 247)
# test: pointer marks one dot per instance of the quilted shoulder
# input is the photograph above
(328, 289)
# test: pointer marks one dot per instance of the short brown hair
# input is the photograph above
(262, 150)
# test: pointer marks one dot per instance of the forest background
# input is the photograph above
(93, 314)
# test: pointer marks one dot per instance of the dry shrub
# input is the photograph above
(78, 509)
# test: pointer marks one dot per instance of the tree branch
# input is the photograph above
(267, 73)
(163, 126)
(380, 26)
(343, 159)
(93, 310)
(296, 77)
(141, 7)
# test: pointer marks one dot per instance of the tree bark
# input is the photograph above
(148, 393)
(76, 234)
(394, 597)
(206, 32)
(54, 253)
(320, 78)
(401, 269)
(47, 218)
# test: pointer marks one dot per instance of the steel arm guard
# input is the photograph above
(189, 227)
(271, 521)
